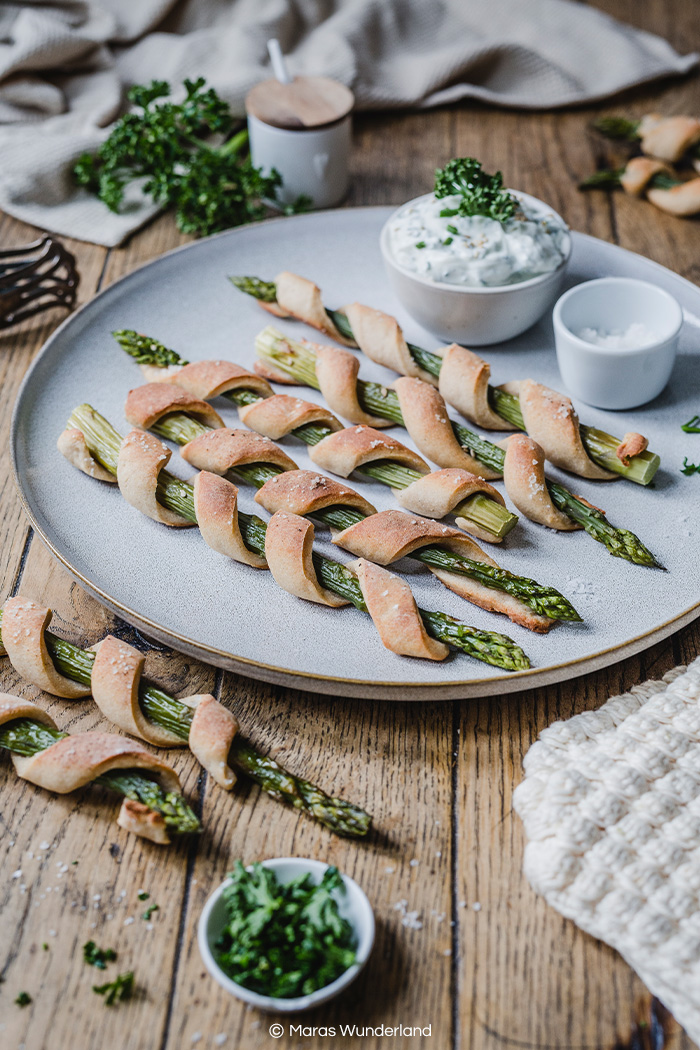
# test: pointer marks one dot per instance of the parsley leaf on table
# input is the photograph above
(98, 957)
(122, 987)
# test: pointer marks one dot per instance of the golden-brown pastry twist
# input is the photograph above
(76, 760)
(114, 684)
(300, 298)
(389, 601)
(390, 535)
(683, 199)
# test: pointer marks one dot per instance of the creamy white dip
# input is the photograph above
(475, 250)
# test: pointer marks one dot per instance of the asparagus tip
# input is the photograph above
(263, 291)
(606, 178)
(616, 127)
(145, 350)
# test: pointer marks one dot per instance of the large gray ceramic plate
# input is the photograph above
(169, 583)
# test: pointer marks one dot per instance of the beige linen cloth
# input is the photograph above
(65, 66)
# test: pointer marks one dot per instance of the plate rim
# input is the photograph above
(518, 680)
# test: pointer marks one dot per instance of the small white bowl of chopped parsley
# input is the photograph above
(286, 934)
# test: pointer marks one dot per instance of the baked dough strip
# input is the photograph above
(115, 681)
(343, 452)
(63, 763)
(113, 670)
(105, 446)
(650, 178)
(462, 378)
(297, 360)
(663, 141)
(480, 509)
(653, 179)
(663, 138)
(384, 538)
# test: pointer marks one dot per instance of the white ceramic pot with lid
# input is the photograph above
(303, 129)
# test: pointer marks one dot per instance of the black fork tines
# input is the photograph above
(35, 277)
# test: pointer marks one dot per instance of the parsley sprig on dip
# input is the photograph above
(284, 940)
(474, 232)
(478, 193)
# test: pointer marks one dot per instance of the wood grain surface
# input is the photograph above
(490, 965)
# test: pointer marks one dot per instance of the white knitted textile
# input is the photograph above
(611, 808)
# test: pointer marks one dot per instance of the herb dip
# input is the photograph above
(475, 250)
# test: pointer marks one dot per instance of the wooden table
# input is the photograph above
(491, 965)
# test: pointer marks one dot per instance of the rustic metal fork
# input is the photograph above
(35, 277)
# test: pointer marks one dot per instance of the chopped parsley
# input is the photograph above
(448, 240)
(45, 946)
(452, 229)
(284, 940)
(690, 468)
(480, 193)
(692, 426)
(143, 896)
(420, 244)
(122, 987)
(98, 957)
(23, 999)
(149, 911)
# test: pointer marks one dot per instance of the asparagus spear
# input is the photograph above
(640, 469)
(180, 427)
(298, 360)
(26, 736)
(618, 128)
(492, 647)
(75, 663)
(610, 179)
(478, 508)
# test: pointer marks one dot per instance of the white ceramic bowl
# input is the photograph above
(474, 316)
(353, 906)
(612, 378)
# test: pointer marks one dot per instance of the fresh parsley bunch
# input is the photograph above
(210, 187)
(481, 194)
(284, 940)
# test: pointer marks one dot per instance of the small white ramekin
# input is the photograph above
(311, 161)
(353, 906)
(477, 316)
(606, 377)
